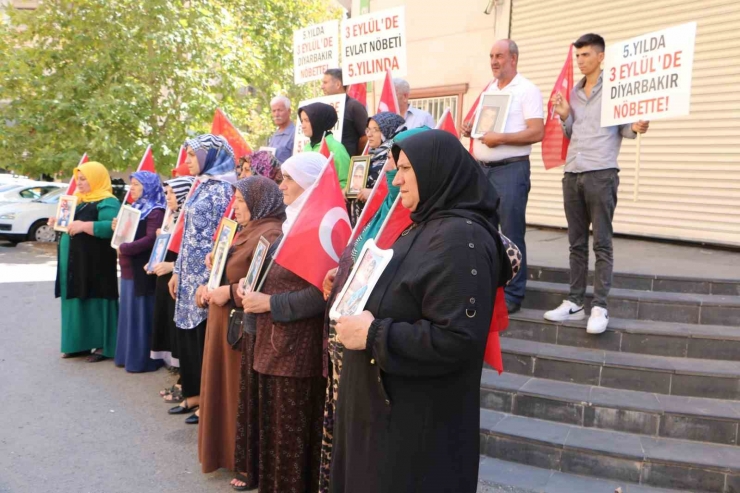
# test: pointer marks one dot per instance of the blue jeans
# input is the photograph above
(512, 184)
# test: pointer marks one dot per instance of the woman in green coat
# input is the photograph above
(87, 280)
(318, 119)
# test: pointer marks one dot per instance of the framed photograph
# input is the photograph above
(159, 251)
(128, 222)
(271, 150)
(65, 212)
(258, 260)
(224, 237)
(492, 113)
(370, 264)
(168, 223)
(359, 168)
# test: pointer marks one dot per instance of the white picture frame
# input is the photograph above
(128, 223)
(224, 237)
(492, 113)
(159, 251)
(249, 283)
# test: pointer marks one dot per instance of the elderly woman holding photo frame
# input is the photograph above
(137, 288)
(86, 270)
(260, 212)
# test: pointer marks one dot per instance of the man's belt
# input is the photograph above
(503, 162)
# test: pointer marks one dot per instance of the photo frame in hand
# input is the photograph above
(224, 237)
(128, 222)
(65, 212)
(492, 113)
(159, 251)
(255, 267)
(359, 169)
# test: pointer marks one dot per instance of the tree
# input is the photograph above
(109, 77)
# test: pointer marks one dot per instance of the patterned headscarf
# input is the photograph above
(180, 187)
(388, 123)
(98, 178)
(263, 197)
(263, 163)
(153, 195)
(215, 156)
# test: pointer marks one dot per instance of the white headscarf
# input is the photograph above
(304, 169)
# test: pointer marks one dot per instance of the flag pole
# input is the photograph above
(637, 166)
(364, 209)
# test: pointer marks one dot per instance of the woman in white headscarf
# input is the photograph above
(288, 356)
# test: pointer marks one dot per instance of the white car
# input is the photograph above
(26, 191)
(27, 221)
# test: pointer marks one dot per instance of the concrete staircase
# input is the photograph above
(651, 405)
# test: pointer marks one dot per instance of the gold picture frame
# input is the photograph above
(361, 165)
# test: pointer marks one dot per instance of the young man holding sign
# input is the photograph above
(590, 184)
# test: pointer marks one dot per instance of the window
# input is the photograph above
(436, 100)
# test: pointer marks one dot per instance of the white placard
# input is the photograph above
(373, 43)
(337, 101)
(315, 50)
(648, 77)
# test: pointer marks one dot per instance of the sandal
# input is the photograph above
(96, 357)
(168, 391)
(174, 397)
(241, 478)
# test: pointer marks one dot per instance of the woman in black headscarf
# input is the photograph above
(317, 120)
(409, 410)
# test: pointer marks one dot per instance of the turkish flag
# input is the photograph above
(473, 110)
(398, 219)
(146, 164)
(499, 322)
(358, 92)
(324, 149)
(181, 168)
(555, 143)
(176, 238)
(447, 123)
(72, 182)
(388, 99)
(372, 206)
(319, 233)
(222, 126)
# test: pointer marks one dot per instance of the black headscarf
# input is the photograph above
(452, 184)
(322, 117)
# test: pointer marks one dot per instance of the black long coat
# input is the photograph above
(408, 413)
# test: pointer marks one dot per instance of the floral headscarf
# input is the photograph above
(215, 156)
(263, 163)
(263, 197)
(153, 195)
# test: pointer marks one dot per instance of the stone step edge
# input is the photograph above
(513, 383)
(708, 300)
(633, 326)
(684, 366)
(652, 277)
(495, 423)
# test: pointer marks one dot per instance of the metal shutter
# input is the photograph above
(689, 186)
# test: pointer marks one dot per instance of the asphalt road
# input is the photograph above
(71, 426)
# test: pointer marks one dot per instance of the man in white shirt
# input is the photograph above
(414, 117)
(505, 155)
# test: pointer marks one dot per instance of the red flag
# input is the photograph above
(358, 92)
(146, 164)
(399, 218)
(72, 182)
(324, 149)
(320, 232)
(176, 238)
(447, 123)
(499, 322)
(388, 99)
(181, 168)
(555, 143)
(228, 214)
(474, 109)
(222, 126)
(374, 201)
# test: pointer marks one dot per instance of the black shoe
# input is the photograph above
(192, 420)
(182, 409)
(512, 307)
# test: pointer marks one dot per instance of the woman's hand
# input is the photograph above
(146, 267)
(352, 330)
(364, 194)
(51, 222)
(202, 297)
(220, 296)
(164, 268)
(329, 282)
(256, 302)
(113, 224)
(76, 227)
(209, 260)
(159, 231)
(173, 285)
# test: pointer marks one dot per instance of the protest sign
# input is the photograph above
(337, 101)
(372, 44)
(315, 50)
(648, 77)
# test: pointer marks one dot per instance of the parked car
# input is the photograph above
(27, 192)
(27, 221)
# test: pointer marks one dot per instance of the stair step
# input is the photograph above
(646, 305)
(631, 336)
(687, 418)
(630, 371)
(643, 282)
(658, 462)
(498, 473)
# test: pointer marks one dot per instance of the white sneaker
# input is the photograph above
(566, 311)
(598, 320)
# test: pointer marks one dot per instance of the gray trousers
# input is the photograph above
(590, 199)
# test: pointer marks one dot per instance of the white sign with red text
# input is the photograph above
(315, 50)
(373, 43)
(648, 77)
(337, 101)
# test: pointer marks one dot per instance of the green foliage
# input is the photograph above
(109, 77)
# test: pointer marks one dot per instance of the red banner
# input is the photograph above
(222, 126)
(372, 206)
(447, 124)
(555, 143)
(181, 169)
(398, 219)
(358, 92)
(388, 99)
